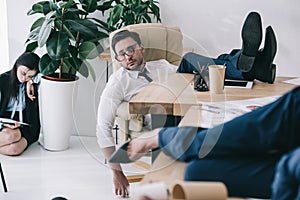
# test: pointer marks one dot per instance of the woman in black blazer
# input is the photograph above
(17, 104)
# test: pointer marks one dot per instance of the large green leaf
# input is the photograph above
(47, 65)
(83, 69)
(83, 26)
(103, 25)
(155, 9)
(39, 22)
(90, 70)
(115, 15)
(97, 37)
(45, 29)
(31, 46)
(71, 34)
(57, 45)
(34, 34)
(88, 50)
(67, 5)
(89, 6)
(50, 7)
(37, 8)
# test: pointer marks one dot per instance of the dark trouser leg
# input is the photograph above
(274, 127)
(286, 183)
(192, 62)
(243, 176)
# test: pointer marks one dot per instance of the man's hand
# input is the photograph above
(30, 90)
(142, 144)
(120, 183)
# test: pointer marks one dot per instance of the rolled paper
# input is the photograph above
(197, 190)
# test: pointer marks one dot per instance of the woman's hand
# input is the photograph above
(30, 90)
(12, 126)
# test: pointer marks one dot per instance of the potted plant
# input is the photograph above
(125, 12)
(70, 37)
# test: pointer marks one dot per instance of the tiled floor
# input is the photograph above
(78, 173)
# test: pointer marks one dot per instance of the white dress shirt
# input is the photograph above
(122, 86)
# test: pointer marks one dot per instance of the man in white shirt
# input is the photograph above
(122, 86)
(135, 74)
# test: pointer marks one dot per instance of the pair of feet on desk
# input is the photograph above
(257, 63)
(133, 150)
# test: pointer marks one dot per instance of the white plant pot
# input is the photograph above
(57, 99)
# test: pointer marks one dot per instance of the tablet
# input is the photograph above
(237, 83)
(10, 121)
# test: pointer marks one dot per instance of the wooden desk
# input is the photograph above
(189, 97)
(177, 95)
(159, 98)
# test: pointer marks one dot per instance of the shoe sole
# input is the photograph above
(251, 36)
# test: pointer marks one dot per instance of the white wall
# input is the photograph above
(3, 38)
(214, 26)
(211, 27)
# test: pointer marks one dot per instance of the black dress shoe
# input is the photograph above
(252, 36)
(263, 67)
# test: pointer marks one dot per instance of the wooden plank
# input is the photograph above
(141, 165)
(135, 178)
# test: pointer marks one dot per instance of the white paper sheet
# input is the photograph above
(295, 81)
(214, 113)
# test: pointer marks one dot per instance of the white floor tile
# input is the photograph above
(77, 173)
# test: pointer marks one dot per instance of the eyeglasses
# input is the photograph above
(129, 52)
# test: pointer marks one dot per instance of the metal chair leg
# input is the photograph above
(127, 131)
(3, 179)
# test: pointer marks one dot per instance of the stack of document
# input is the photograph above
(214, 113)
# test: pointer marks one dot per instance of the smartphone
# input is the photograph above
(237, 83)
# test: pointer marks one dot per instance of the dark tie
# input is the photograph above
(144, 74)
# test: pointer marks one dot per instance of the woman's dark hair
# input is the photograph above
(122, 35)
(28, 59)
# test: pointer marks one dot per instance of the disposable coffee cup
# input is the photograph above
(216, 78)
(197, 190)
(162, 75)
